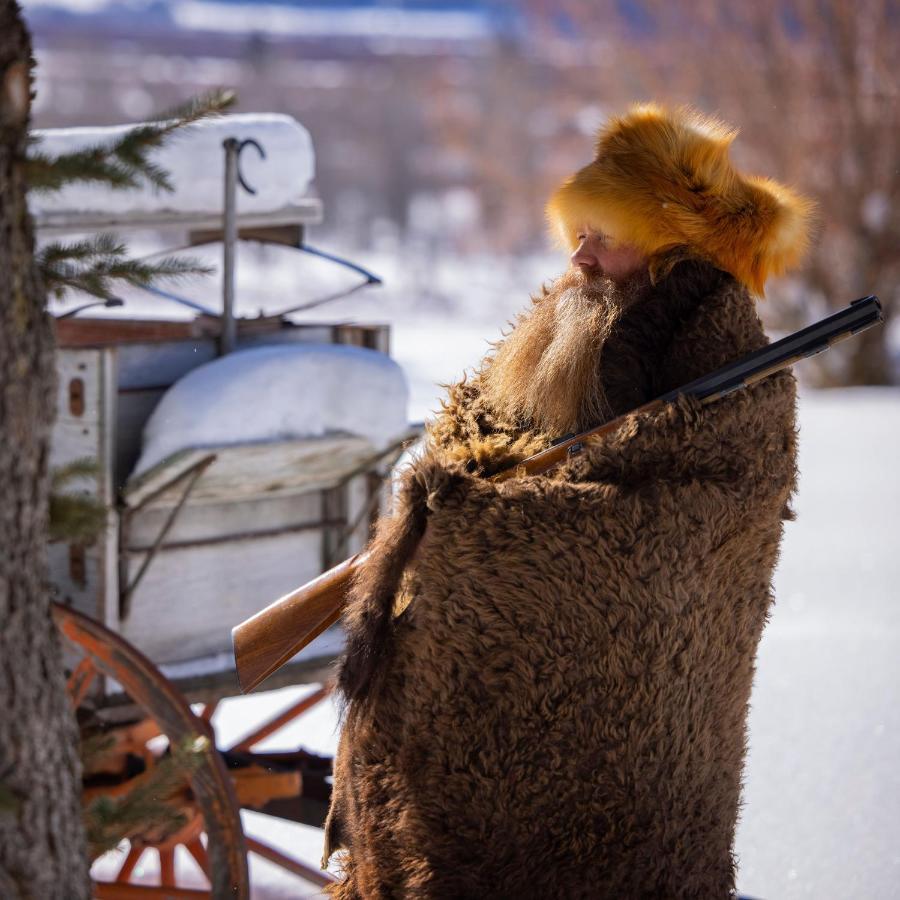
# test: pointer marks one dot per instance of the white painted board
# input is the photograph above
(189, 600)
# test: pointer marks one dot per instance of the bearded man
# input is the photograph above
(547, 692)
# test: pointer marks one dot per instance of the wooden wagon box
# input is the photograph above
(208, 525)
(209, 535)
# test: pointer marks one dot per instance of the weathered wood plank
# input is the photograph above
(87, 576)
(210, 521)
(189, 598)
(50, 222)
(88, 331)
(249, 470)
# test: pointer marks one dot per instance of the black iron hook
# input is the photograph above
(239, 146)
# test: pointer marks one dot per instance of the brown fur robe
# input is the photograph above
(560, 711)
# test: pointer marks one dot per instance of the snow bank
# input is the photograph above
(196, 161)
(277, 393)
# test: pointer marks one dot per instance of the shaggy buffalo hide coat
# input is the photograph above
(547, 696)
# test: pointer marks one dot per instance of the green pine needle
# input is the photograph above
(101, 245)
(86, 467)
(74, 517)
(150, 807)
(205, 106)
(92, 164)
(97, 264)
(124, 162)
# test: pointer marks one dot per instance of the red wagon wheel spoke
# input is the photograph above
(131, 860)
(286, 862)
(80, 680)
(167, 867)
(207, 712)
(198, 851)
(284, 718)
(209, 802)
(248, 795)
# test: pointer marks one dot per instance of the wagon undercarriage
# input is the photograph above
(205, 802)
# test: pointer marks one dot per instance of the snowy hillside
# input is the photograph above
(440, 20)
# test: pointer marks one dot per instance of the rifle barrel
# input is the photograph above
(810, 341)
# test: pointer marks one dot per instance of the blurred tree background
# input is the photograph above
(445, 135)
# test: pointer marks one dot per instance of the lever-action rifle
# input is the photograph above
(266, 641)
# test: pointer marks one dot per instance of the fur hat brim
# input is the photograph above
(663, 179)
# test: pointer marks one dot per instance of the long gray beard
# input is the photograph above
(546, 374)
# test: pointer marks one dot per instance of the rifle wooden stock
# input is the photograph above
(265, 642)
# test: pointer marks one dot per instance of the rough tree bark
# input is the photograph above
(42, 847)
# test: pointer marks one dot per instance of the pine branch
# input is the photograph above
(101, 245)
(124, 163)
(75, 518)
(151, 806)
(86, 467)
(96, 264)
(91, 164)
(205, 106)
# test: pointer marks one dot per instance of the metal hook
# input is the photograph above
(239, 148)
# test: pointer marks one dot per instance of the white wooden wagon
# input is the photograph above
(207, 522)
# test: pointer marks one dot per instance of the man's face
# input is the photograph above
(598, 254)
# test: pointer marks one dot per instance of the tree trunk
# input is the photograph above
(42, 847)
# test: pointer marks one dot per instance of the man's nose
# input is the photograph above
(584, 257)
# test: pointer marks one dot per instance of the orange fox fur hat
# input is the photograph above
(662, 180)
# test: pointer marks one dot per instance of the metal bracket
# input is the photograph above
(371, 279)
(393, 451)
(233, 177)
(192, 475)
(238, 147)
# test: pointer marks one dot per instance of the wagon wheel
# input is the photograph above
(289, 785)
(208, 802)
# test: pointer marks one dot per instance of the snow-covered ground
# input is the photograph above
(822, 799)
